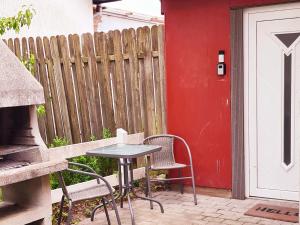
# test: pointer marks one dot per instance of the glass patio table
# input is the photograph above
(125, 153)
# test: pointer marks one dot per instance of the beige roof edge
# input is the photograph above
(18, 87)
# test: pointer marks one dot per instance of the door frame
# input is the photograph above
(240, 168)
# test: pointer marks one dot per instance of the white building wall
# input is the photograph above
(118, 19)
(114, 23)
(53, 17)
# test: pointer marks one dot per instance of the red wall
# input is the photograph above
(198, 101)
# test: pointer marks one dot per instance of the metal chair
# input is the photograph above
(165, 160)
(100, 189)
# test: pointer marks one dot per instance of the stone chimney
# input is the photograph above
(18, 87)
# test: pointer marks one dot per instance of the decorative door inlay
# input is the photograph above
(288, 39)
(287, 155)
(288, 42)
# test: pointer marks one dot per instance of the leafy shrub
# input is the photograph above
(23, 18)
(29, 63)
(58, 142)
(103, 166)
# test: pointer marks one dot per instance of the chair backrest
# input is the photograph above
(165, 157)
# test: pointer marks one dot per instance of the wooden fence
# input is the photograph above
(106, 80)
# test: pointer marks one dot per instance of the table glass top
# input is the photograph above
(124, 151)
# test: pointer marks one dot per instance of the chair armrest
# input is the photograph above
(84, 167)
(95, 175)
(187, 149)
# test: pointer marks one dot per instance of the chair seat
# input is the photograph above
(87, 192)
(168, 167)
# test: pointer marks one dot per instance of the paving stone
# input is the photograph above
(180, 210)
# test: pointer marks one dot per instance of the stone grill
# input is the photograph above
(17, 142)
(24, 160)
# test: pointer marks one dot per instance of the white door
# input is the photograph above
(272, 101)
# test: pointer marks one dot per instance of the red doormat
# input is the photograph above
(274, 212)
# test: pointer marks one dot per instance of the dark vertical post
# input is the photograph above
(237, 104)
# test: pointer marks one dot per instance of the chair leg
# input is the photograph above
(146, 191)
(94, 211)
(194, 186)
(61, 210)
(69, 219)
(105, 210)
(113, 202)
(181, 181)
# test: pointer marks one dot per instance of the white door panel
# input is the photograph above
(272, 101)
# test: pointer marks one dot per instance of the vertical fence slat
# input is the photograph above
(25, 54)
(92, 85)
(79, 79)
(60, 88)
(54, 96)
(69, 88)
(157, 81)
(17, 47)
(44, 81)
(127, 75)
(161, 57)
(132, 78)
(41, 119)
(115, 47)
(144, 46)
(10, 44)
(142, 93)
(104, 82)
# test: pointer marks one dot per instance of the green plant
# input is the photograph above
(103, 166)
(23, 18)
(29, 63)
(93, 138)
(106, 133)
(58, 142)
(41, 110)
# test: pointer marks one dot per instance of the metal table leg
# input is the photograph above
(140, 197)
(128, 187)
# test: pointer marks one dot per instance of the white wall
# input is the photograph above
(52, 17)
(147, 7)
(114, 23)
(119, 19)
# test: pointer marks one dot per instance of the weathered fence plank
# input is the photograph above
(24, 49)
(32, 52)
(48, 98)
(17, 47)
(69, 88)
(79, 78)
(62, 101)
(157, 81)
(115, 47)
(144, 47)
(161, 57)
(132, 80)
(105, 80)
(10, 44)
(90, 68)
(127, 83)
(54, 96)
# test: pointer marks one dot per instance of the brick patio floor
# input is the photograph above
(180, 210)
